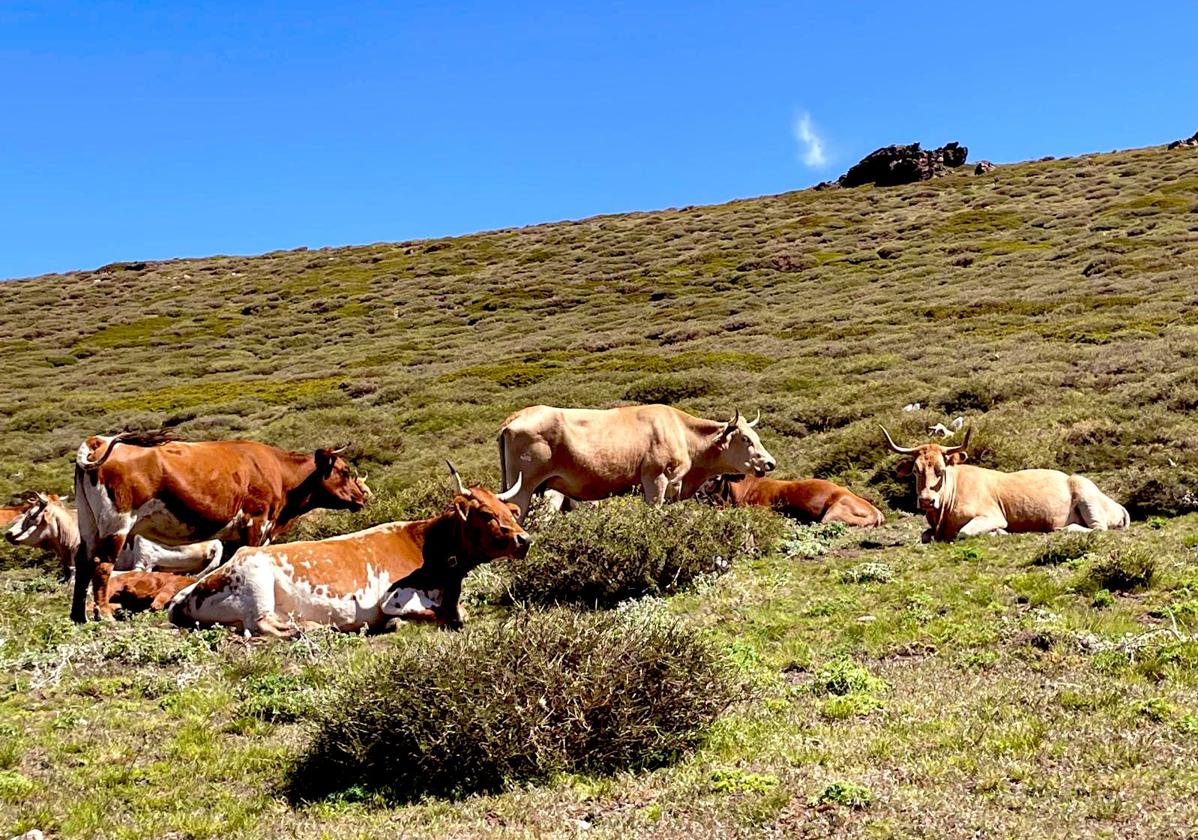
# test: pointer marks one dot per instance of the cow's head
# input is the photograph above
(717, 490)
(489, 528)
(35, 527)
(929, 463)
(339, 488)
(740, 450)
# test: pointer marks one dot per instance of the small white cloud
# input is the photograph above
(811, 144)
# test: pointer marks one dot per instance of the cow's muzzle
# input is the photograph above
(523, 541)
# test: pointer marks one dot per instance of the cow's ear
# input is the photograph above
(958, 458)
(904, 467)
(462, 507)
(325, 458)
(514, 508)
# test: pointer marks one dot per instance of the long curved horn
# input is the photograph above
(757, 420)
(902, 450)
(510, 493)
(949, 450)
(462, 488)
(339, 449)
(735, 417)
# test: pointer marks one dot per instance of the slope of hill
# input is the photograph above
(1054, 304)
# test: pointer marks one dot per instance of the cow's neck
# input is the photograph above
(299, 489)
(67, 535)
(940, 519)
(441, 543)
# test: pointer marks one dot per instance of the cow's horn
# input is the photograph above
(510, 493)
(735, 417)
(902, 450)
(756, 420)
(340, 449)
(949, 450)
(462, 488)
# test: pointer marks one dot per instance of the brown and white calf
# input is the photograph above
(143, 484)
(809, 500)
(50, 525)
(407, 570)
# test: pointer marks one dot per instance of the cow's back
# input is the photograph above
(1029, 500)
(587, 453)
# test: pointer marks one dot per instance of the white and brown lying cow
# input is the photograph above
(962, 500)
(589, 454)
(47, 523)
(807, 500)
(407, 570)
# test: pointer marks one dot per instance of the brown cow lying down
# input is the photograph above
(962, 500)
(810, 500)
(408, 570)
(138, 591)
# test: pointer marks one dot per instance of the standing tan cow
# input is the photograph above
(143, 484)
(590, 454)
(406, 570)
(962, 500)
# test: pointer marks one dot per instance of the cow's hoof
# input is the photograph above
(79, 618)
(108, 617)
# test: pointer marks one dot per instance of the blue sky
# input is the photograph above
(156, 130)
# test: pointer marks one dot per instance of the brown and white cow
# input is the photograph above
(808, 500)
(139, 591)
(963, 500)
(50, 525)
(407, 570)
(143, 484)
(590, 454)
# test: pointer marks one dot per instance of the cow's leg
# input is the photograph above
(654, 486)
(84, 570)
(449, 610)
(67, 564)
(1075, 528)
(992, 524)
(106, 554)
(850, 513)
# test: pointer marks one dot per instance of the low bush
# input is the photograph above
(1123, 570)
(848, 794)
(1064, 548)
(602, 555)
(542, 693)
(669, 388)
(868, 573)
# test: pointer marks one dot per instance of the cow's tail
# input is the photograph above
(83, 457)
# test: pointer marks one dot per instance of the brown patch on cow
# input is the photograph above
(808, 500)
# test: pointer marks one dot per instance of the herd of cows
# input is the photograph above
(155, 517)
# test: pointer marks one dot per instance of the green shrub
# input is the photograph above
(668, 388)
(278, 698)
(1064, 548)
(602, 555)
(843, 676)
(1122, 570)
(542, 693)
(868, 573)
(848, 794)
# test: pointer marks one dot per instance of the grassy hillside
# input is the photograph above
(1053, 303)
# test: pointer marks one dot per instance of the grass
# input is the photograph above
(1025, 685)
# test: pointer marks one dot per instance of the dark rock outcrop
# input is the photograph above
(1189, 141)
(983, 167)
(893, 165)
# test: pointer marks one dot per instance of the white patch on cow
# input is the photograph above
(407, 601)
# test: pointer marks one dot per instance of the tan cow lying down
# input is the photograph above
(408, 570)
(138, 591)
(590, 454)
(961, 500)
(809, 500)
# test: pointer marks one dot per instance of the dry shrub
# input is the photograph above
(599, 556)
(542, 693)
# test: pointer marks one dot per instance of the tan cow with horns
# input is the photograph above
(406, 570)
(962, 500)
(589, 454)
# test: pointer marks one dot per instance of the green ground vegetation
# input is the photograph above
(1017, 686)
